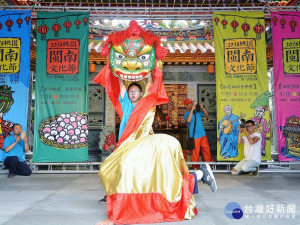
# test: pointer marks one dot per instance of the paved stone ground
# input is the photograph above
(72, 199)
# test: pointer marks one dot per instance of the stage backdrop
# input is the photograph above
(15, 27)
(241, 80)
(60, 132)
(286, 56)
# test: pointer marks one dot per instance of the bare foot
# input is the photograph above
(105, 222)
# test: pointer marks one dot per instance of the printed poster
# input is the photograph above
(286, 56)
(61, 123)
(14, 70)
(241, 81)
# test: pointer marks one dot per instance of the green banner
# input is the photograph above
(241, 80)
(61, 102)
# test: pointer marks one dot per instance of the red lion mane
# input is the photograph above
(134, 30)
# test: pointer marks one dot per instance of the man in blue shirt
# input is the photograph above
(130, 99)
(200, 139)
(15, 147)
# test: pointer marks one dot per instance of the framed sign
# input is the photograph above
(96, 106)
(206, 94)
(96, 99)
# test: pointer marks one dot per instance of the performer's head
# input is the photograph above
(227, 110)
(259, 111)
(133, 52)
(135, 92)
(188, 103)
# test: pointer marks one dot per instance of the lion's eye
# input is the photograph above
(120, 56)
(144, 57)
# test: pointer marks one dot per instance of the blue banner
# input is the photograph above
(15, 27)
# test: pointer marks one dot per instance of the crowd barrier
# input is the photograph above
(93, 167)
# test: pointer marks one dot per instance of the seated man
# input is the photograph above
(252, 146)
(15, 147)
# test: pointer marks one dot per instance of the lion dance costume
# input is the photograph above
(146, 178)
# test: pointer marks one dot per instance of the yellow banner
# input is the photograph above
(241, 80)
(10, 49)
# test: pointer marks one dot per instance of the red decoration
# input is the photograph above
(258, 29)
(19, 22)
(282, 22)
(234, 24)
(217, 20)
(56, 28)
(245, 28)
(1, 26)
(43, 30)
(77, 23)
(9, 23)
(85, 20)
(167, 117)
(224, 23)
(27, 19)
(110, 140)
(275, 20)
(67, 25)
(161, 52)
(293, 24)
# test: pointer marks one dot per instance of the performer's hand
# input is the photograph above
(201, 105)
(121, 82)
(18, 139)
(149, 82)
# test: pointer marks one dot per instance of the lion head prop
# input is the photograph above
(133, 52)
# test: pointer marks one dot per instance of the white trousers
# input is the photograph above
(245, 166)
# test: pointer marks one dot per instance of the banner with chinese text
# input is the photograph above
(15, 28)
(286, 59)
(241, 80)
(61, 102)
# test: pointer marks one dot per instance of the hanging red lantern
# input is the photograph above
(1, 26)
(9, 23)
(258, 29)
(56, 28)
(85, 20)
(217, 20)
(282, 22)
(67, 25)
(19, 22)
(234, 24)
(224, 23)
(293, 24)
(275, 20)
(27, 19)
(245, 28)
(77, 23)
(43, 30)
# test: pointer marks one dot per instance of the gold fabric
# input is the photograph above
(146, 163)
